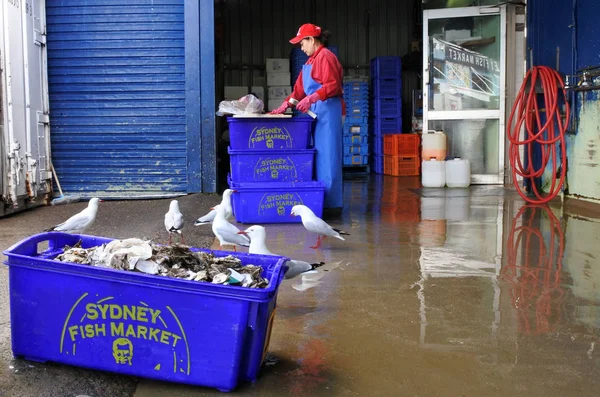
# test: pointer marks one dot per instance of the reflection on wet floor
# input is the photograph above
(436, 292)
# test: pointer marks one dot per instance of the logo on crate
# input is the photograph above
(279, 202)
(270, 136)
(275, 166)
(106, 322)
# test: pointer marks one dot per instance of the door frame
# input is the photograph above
(488, 114)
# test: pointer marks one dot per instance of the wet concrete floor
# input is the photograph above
(437, 292)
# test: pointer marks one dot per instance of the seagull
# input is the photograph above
(80, 222)
(258, 246)
(314, 224)
(226, 232)
(174, 220)
(210, 217)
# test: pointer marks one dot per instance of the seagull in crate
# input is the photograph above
(314, 224)
(225, 202)
(174, 220)
(258, 245)
(226, 232)
(80, 222)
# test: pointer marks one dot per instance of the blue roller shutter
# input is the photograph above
(117, 73)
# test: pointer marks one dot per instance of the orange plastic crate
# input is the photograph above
(401, 165)
(401, 144)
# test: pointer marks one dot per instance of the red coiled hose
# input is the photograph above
(547, 135)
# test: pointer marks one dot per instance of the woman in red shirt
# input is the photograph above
(319, 88)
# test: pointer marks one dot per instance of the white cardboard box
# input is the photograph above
(275, 103)
(259, 92)
(277, 65)
(279, 92)
(233, 92)
(274, 79)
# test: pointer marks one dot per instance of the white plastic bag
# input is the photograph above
(246, 105)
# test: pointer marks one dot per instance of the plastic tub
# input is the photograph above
(271, 165)
(386, 66)
(136, 324)
(356, 159)
(262, 133)
(273, 202)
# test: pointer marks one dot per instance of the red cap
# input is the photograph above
(306, 30)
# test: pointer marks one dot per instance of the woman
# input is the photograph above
(319, 88)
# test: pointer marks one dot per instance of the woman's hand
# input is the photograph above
(281, 109)
(304, 105)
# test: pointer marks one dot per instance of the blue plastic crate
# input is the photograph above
(359, 102)
(136, 324)
(386, 125)
(376, 162)
(356, 149)
(353, 119)
(260, 133)
(356, 139)
(272, 166)
(272, 202)
(387, 88)
(352, 128)
(356, 159)
(376, 142)
(387, 107)
(386, 67)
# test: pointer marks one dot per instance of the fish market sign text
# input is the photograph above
(458, 55)
(274, 167)
(269, 136)
(279, 202)
(119, 327)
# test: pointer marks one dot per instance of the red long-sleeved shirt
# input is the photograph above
(326, 71)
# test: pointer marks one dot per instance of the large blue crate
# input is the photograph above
(356, 159)
(387, 88)
(272, 202)
(261, 133)
(386, 125)
(387, 107)
(376, 143)
(355, 139)
(135, 324)
(272, 165)
(355, 128)
(356, 149)
(376, 162)
(386, 67)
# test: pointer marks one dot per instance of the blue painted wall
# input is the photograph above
(572, 25)
(131, 111)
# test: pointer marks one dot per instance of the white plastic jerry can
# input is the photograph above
(433, 173)
(433, 145)
(458, 173)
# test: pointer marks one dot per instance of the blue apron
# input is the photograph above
(328, 141)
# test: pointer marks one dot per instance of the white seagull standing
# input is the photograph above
(80, 222)
(314, 224)
(226, 232)
(174, 220)
(258, 246)
(225, 202)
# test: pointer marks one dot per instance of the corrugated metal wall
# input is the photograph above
(117, 96)
(249, 31)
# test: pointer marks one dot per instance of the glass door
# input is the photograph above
(464, 85)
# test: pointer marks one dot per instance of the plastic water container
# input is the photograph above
(433, 173)
(458, 173)
(136, 324)
(272, 165)
(272, 202)
(265, 133)
(433, 145)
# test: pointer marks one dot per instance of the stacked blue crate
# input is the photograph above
(356, 125)
(386, 104)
